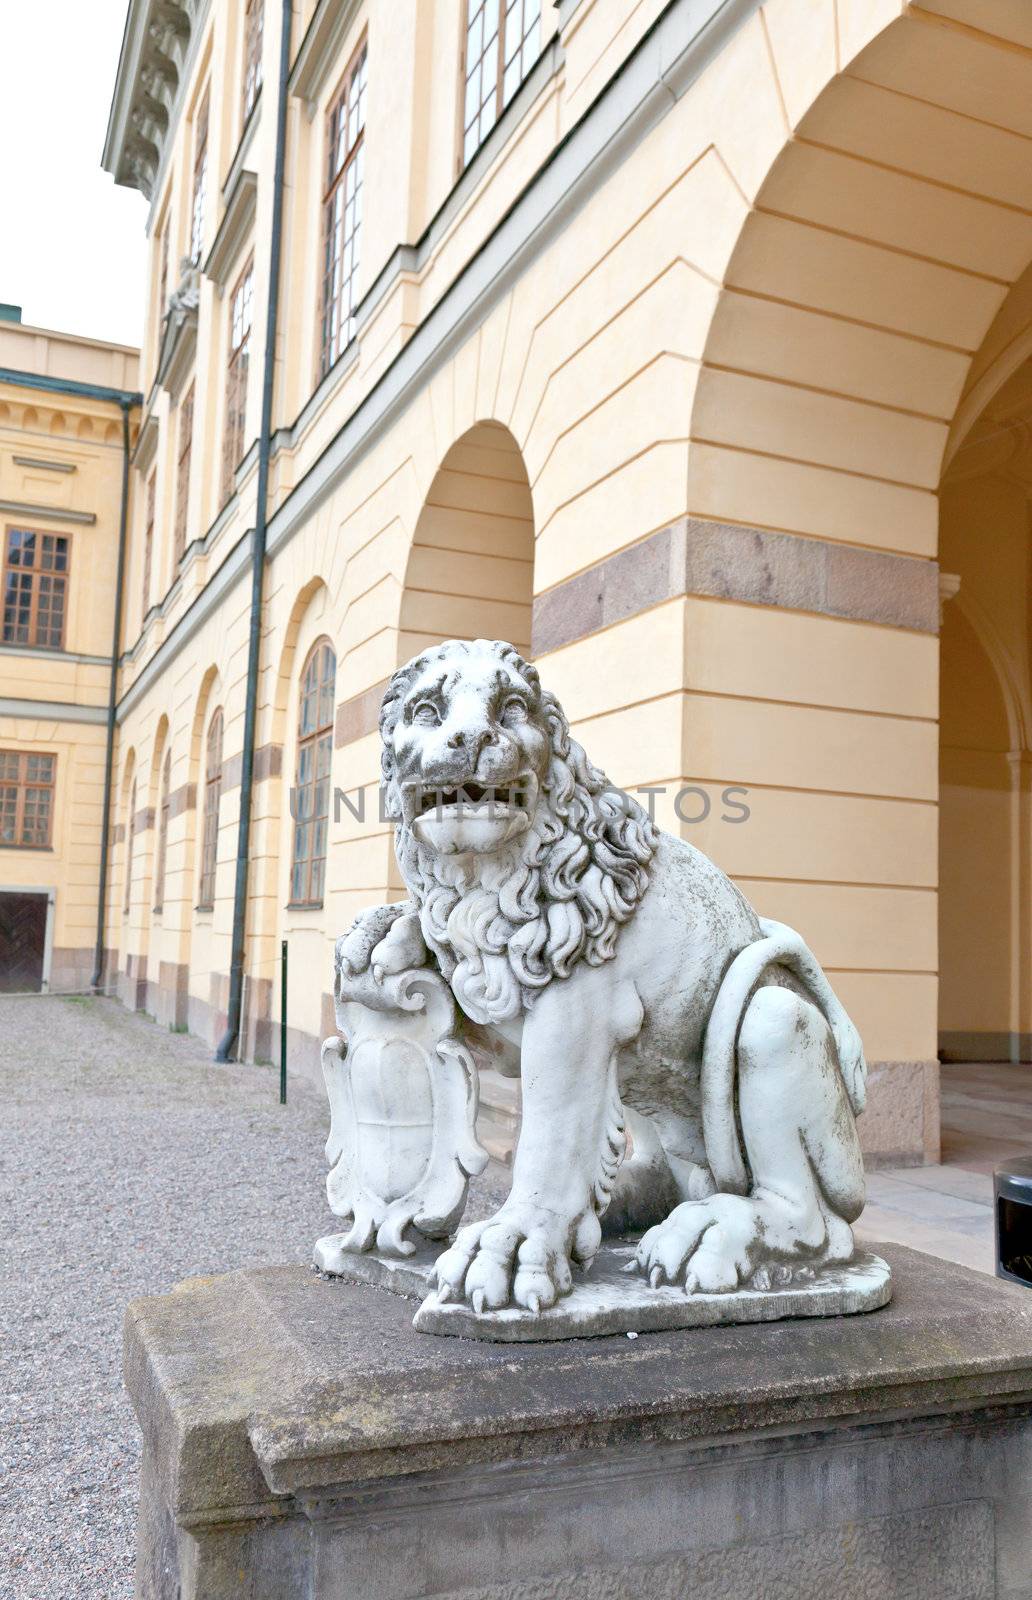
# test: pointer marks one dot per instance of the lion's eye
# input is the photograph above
(426, 714)
(514, 712)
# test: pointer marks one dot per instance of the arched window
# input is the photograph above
(130, 814)
(311, 806)
(212, 796)
(159, 866)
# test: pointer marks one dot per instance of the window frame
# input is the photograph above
(199, 190)
(127, 899)
(254, 34)
(63, 574)
(21, 785)
(210, 814)
(160, 858)
(332, 344)
(238, 360)
(502, 96)
(148, 541)
(317, 737)
(184, 455)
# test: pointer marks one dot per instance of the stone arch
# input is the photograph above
(470, 566)
(58, 422)
(84, 429)
(879, 249)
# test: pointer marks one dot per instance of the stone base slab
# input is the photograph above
(302, 1439)
(612, 1297)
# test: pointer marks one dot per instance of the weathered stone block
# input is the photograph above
(302, 1439)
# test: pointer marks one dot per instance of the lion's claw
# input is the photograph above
(519, 1257)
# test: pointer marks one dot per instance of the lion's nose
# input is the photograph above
(472, 740)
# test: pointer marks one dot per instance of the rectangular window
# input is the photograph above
(502, 44)
(26, 799)
(35, 588)
(148, 546)
(241, 309)
(163, 816)
(254, 23)
(212, 796)
(183, 472)
(200, 180)
(163, 276)
(342, 211)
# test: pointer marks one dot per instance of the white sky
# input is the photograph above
(72, 248)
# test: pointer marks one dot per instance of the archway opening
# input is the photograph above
(471, 567)
(985, 828)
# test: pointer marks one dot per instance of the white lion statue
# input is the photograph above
(685, 1064)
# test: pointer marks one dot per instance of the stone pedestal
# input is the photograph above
(302, 1439)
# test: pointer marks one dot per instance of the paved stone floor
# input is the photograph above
(129, 1162)
(947, 1210)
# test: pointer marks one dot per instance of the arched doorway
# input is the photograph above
(985, 833)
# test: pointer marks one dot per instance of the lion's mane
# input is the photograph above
(558, 896)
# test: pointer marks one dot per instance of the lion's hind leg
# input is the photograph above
(805, 1167)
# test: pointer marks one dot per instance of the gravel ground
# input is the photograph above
(128, 1161)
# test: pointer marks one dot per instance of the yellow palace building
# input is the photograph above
(688, 345)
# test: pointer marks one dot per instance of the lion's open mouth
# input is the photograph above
(475, 797)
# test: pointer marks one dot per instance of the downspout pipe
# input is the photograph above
(126, 402)
(229, 1039)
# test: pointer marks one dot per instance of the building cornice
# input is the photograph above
(42, 513)
(152, 70)
(70, 386)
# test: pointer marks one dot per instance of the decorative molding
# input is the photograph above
(147, 442)
(268, 763)
(52, 710)
(179, 331)
(234, 229)
(152, 70)
(236, 166)
(359, 716)
(182, 799)
(728, 562)
(41, 653)
(319, 50)
(27, 508)
(143, 820)
(44, 466)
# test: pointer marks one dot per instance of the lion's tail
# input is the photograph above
(780, 946)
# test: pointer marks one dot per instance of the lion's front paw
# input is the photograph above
(520, 1255)
(710, 1245)
(386, 938)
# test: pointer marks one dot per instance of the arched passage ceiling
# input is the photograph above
(878, 257)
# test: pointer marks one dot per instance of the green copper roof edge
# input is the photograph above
(87, 391)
